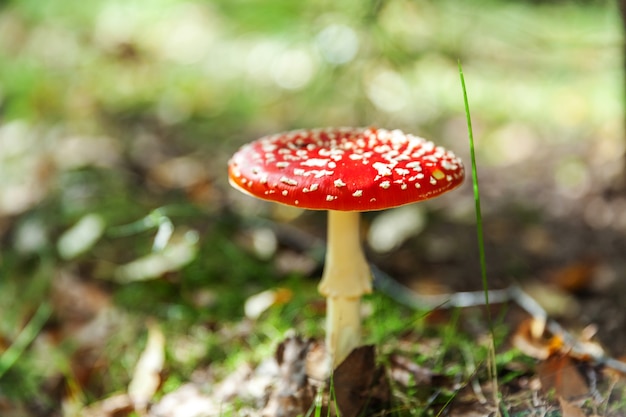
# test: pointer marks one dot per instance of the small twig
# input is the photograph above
(406, 296)
(410, 298)
(514, 293)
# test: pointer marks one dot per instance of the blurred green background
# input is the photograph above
(110, 110)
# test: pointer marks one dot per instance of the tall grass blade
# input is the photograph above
(26, 336)
(481, 244)
(479, 219)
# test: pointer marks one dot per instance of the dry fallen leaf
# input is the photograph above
(406, 372)
(529, 342)
(560, 373)
(147, 375)
(570, 410)
(81, 236)
(558, 367)
(77, 301)
(575, 277)
(359, 384)
(188, 400)
(256, 304)
(180, 250)
(84, 315)
(114, 406)
(292, 395)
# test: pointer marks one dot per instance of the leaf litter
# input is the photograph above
(292, 383)
(571, 369)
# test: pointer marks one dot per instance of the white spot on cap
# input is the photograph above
(331, 197)
(383, 169)
(415, 165)
(288, 181)
(385, 184)
(402, 171)
(315, 162)
(447, 165)
(433, 181)
(312, 188)
(322, 172)
(282, 164)
(357, 193)
(339, 183)
(285, 192)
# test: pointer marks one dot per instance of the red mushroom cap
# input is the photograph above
(346, 169)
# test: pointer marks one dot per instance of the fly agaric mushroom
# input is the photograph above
(344, 171)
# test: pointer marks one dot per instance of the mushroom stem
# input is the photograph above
(345, 279)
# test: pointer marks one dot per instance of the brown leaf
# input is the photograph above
(560, 373)
(358, 383)
(576, 277)
(570, 410)
(85, 316)
(76, 302)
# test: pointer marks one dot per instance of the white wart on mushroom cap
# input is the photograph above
(345, 169)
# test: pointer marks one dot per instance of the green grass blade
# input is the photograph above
(26, 336)
(481, 243)
(479, 220)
